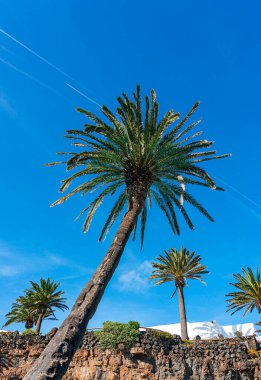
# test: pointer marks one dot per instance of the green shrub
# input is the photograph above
(188, 342)
(161, 334)
(114, 333)
(28, 332)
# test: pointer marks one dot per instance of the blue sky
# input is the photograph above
(186, 51)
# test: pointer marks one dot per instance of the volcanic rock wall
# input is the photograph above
(152, 357)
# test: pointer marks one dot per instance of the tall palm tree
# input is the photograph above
(248, 293)
(38, 303)
(139, 159)
(179, 267)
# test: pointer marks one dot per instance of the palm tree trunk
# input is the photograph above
(56, 357)
(29, 324)
(182, 314)
(39, 324)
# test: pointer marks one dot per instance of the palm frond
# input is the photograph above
(248, 292)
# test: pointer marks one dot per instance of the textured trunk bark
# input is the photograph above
(39, 324)
(182, 315)
(55, 359)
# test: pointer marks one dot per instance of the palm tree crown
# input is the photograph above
(178, 266)
(44, 297)
(130, 154)
(248, 294)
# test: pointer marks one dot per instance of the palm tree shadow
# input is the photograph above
(211, 330)
(239, 328)
(214, 330)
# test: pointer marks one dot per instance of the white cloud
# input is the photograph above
(136, 280)
(13, 262)
(5, 105)
(58, 260)
(5, 250)
(9, 270)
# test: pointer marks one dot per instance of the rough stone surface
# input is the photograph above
(151, 357)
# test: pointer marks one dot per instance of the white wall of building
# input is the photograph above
(208, 330)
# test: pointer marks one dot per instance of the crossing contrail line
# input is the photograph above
(46, 61)
(30, 77)
(240, 193)
(36, 54)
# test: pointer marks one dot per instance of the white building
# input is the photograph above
(207, 330)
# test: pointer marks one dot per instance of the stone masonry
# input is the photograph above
(152, 357)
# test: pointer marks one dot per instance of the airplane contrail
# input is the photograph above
(35, 54)
(78, 91)
(46, 85)
(82, 94)
(49, 64)
(240, 193)
(30, 77)
(248, 206)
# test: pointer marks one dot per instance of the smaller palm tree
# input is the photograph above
(45, 298)
(248, 294)
(179, 267)
(38, 303)
(21, 312)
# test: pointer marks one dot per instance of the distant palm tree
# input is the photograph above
(39, 303)
(179, 267)
(44, 299)
(248, 293)
(139, 159)
(21, 312)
